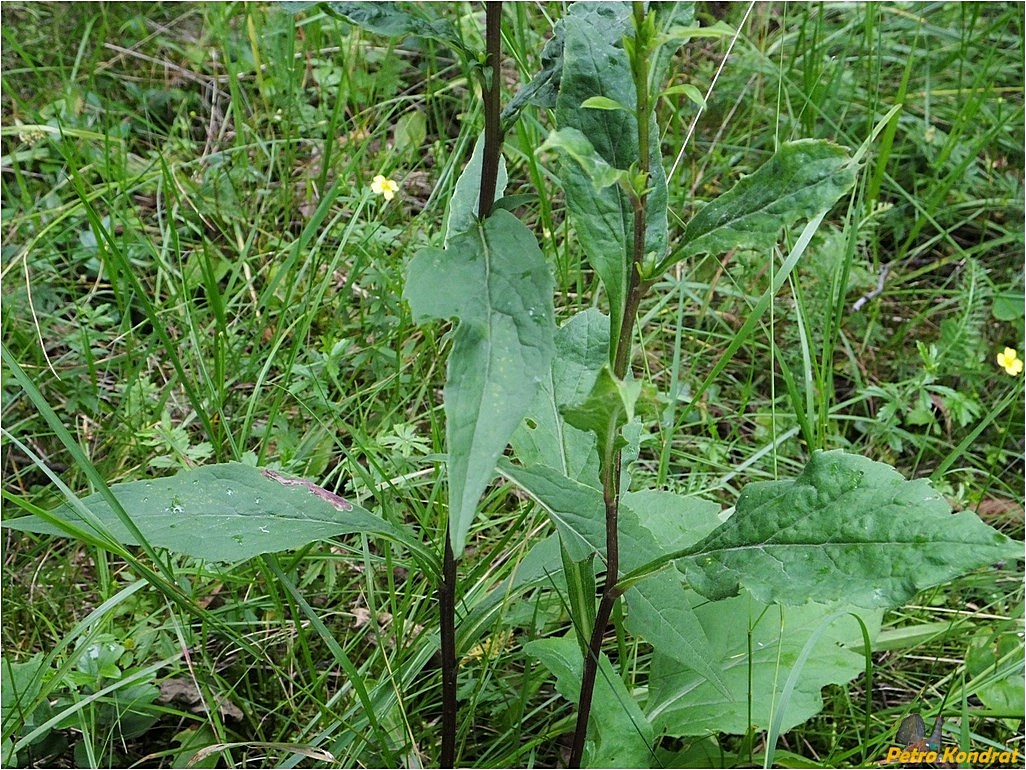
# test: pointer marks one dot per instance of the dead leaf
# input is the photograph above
(185, 693)
(361, 617)
(999, 508)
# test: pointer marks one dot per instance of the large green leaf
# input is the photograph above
(494, 279)
(543, 88)
(675, 521)
(801, 180)
(227, 512)
(399, 20)
(463, 205)
(619, 735)
(674, 24)
(650, 523)
(576, 509)
(545, 438)
(846, 528)
(659, 610)
(595, 64)
(760, 645)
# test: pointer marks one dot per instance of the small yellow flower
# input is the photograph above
(384, 187)
(1009, 360)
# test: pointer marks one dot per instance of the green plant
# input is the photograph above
(568, 402)
(104, 690)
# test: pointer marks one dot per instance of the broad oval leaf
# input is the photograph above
(659, 609)
(802, 179)
(847, 528)
(495, 280)
(225, 512)
(545, 438)
(758, 647)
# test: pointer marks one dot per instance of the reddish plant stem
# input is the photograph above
(447, 629)
(621, 363)
(493, 128)
(447, 586)
(611, 495)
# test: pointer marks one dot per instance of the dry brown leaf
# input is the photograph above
(185, 692)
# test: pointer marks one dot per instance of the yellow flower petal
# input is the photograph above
(383, 186)
(1009, 360)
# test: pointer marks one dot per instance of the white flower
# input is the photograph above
(385, 187)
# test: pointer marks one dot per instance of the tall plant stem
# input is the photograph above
(610, 594)
(489, 177)
(447, 630)
(493, 128)
(611, 470)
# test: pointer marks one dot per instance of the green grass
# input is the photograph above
(195, 270)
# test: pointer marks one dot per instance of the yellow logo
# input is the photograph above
(950, 755)
(918, 749)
